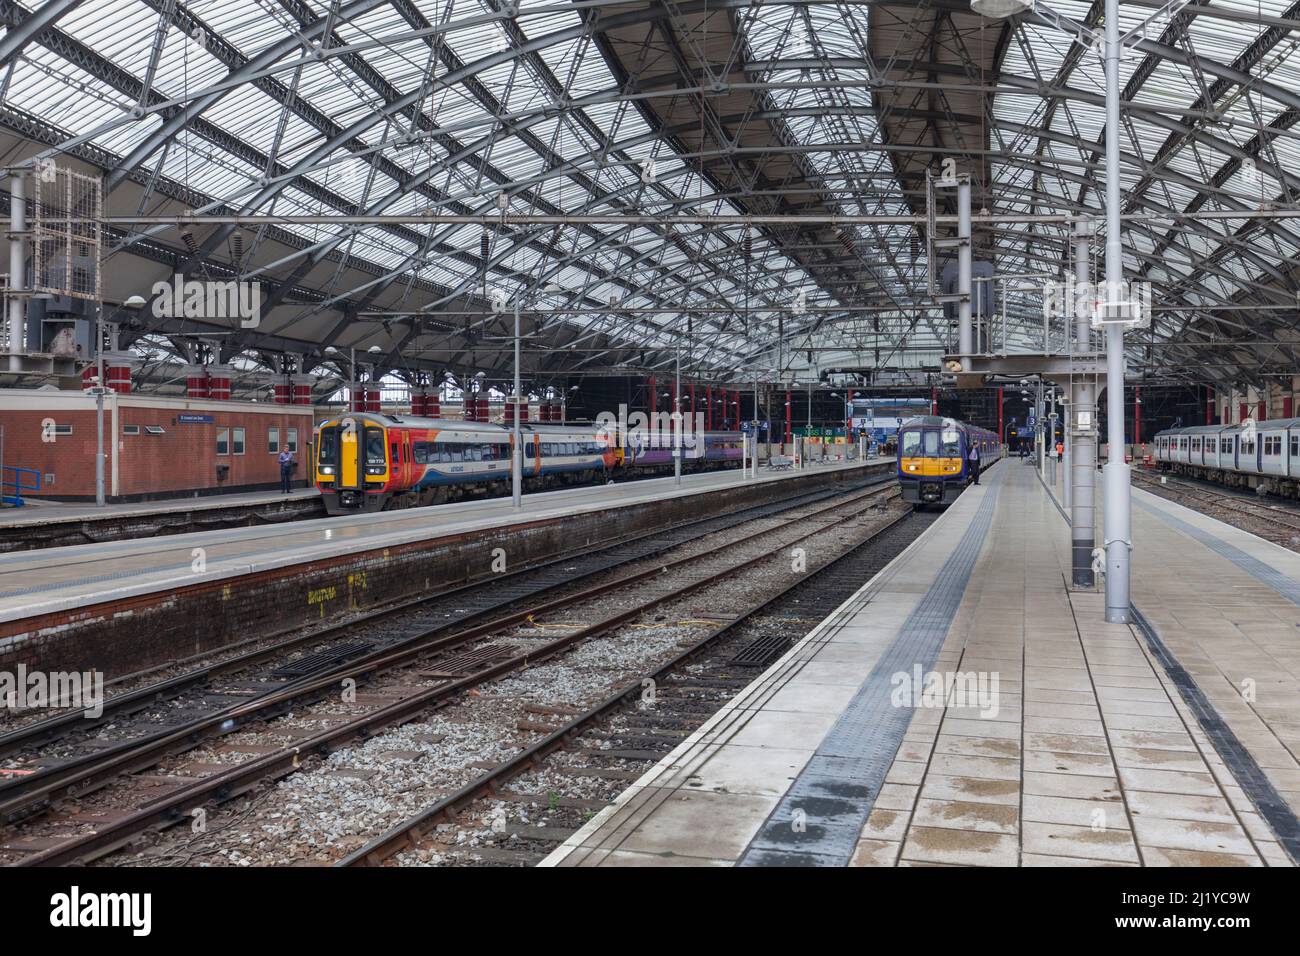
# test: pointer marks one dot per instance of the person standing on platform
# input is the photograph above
(974, 458)
(286, 470)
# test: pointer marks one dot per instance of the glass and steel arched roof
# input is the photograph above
(678, 120)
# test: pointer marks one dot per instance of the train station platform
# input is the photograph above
(966, 708)
(38, 512)
(195, 591)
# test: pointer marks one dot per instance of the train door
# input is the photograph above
(396, 459)
(350, 466)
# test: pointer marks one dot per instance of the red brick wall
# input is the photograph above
(71, 459)
(185, 456)
(182, 460)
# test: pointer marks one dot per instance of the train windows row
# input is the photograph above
(442, 452)
(560, 449)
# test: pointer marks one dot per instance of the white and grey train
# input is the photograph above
(1260, 455)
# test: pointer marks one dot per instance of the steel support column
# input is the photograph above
(1117, 515)
(17, 264)
(966, 337)
(517, 465)
(1081, 427)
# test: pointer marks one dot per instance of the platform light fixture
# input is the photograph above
(1001, 9)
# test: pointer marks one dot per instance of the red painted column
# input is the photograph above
(692, 404)
(1244, 414)
(708, 408)
(196, 382)
(737, 425)
(1001, 436)
(1137, 417)
(934, 400)
(848, 414)
(1209, 406)
(1262, 412)
(1288, 406)
(789, 411)
(654, 395)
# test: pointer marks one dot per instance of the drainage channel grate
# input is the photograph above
(468, 662)
(321, 660)
(761, 651)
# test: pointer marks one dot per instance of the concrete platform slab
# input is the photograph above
(1092, 744)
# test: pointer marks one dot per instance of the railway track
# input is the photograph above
(1275, 523)
(272, 663)
(610, 744)
(444, 650)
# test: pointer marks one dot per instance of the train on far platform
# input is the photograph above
(375, 462)
(1264, 456)
(934, 457)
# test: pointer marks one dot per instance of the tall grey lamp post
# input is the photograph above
(1117, 519)
(517, 465)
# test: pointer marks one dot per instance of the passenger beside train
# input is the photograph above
(286, 470)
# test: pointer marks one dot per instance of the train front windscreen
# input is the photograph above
(930, 463)
(931, 443)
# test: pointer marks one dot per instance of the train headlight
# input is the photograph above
(374, 469)
(327, 469)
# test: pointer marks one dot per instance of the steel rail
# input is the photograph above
(409, 833)
(224, 785)
(1230, 502)
(58, 726)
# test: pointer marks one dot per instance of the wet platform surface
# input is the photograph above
(1053, 738)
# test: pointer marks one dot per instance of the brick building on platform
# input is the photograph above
(156, 447)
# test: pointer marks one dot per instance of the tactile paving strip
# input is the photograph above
(1286, 586)
(1247, 772)
(818, 821)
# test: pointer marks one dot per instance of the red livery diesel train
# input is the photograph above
(376, 462)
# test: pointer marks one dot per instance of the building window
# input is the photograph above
(130, 429)
(223, 441)
(291, 439)
(63, 429)
(273, 440)
(153, 430)
(237, 442)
